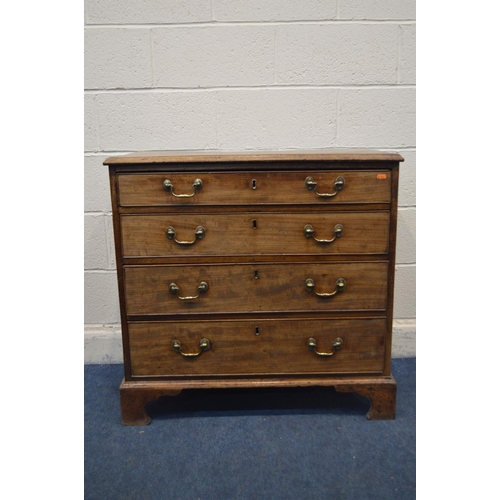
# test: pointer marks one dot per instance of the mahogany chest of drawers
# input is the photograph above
(255, 269)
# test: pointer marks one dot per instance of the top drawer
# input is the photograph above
(242, 188)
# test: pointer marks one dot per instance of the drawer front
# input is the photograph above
(279, 347)
(255, 234)
(255, 288)
(271, 188)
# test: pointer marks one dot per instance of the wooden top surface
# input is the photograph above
(149, 157)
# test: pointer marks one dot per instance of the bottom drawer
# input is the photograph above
(256, 347)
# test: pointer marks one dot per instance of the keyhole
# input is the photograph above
(256, 275)
(257, 331)
(254, 223)
(254, 184)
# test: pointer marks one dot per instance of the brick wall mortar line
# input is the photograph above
(98, 121)
(217, 140)
(108, 237)
(114, 152)
(255, 87)
(337, 117)
(276, 55)
(85, 13)
(252, 23)
(152, 54)
(105, 152)
(398, 63)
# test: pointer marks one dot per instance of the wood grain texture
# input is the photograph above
(330, 155)
(279, 347)
(236, 188)
(392, 265)
(234, 288)
(133, 402)
(382, 395)
(380, 390)
(113, 184)
(254, 256)
(255, 234)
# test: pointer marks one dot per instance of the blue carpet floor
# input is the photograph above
(236, 445)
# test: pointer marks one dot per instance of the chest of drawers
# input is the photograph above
(255, 270)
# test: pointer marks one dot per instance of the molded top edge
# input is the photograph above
(214, 156)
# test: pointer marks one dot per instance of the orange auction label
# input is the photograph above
(381, 176)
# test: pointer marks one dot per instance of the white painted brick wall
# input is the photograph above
(234, 74)
(118, 58)
(97, 198)
(213, 56)
(407, 196)
(377, 9)
(96, 247)
(376, 117)
(406, 244)
(404, 292)
(91, 141)
(277, 118)
(147, 11)
(157, 120)
(407, 65)
(337, 54)
(277, 10)
(101, 298)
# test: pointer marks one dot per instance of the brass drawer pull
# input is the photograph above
(338, 231)
(337, 345)
(202, 288)
(199, 234)
(168, 186)
(339, 185)
(204, 346)
(340, 287)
